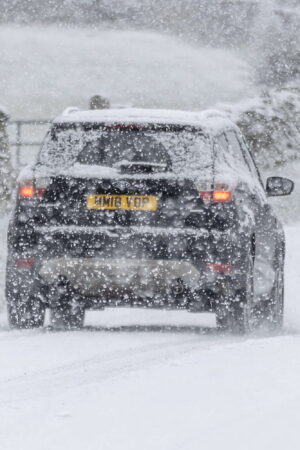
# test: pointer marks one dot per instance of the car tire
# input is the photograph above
(25, 308)
(271, 311)
(26, 313)
(67, 317)
(235, 314)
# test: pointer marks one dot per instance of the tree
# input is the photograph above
(277, 48)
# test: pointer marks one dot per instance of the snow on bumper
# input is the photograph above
(93, 276)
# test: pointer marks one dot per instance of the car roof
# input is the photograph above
(209, 121)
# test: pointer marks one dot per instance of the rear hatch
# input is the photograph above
(121, 175)
(160, 202)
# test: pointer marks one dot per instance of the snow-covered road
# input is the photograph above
(149, 380)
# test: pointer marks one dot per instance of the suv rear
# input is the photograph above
(140, 208)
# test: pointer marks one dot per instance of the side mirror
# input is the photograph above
(277, 186)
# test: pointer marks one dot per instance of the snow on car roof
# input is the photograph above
(210, 120)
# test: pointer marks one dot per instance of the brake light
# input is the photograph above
(206, 196)
(39, 192)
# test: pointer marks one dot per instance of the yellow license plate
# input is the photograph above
(124, 202)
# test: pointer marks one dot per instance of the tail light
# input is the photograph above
(221, 193)
(220, 268)
(33, 188)
(24, 264)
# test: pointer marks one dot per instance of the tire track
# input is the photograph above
(95, 370)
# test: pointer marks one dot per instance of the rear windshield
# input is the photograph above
(175, 150)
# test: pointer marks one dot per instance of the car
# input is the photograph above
(145, 208)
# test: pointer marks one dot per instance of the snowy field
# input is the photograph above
(136, 380)
(44, 70)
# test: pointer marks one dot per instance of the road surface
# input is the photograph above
(134, 380)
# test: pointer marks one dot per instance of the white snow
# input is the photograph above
(206, 119)
(133, 380)
(153, 380)
(40, 66)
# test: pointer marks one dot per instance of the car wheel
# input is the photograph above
(271, 311)
(25, 308)
(235, 314)
(66, 316)
(66, 311)
(26, 313)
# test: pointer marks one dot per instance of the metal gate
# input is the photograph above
(25, 138)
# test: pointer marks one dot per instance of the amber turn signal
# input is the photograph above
(217, 196)
(221, 196)
(26, 191)
(30, 192)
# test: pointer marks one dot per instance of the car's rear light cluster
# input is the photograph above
(30, 192)
(33, 188)
(220, 194)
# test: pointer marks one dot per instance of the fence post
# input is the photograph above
(18, 144)
(6, 170)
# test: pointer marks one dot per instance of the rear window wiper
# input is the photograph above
(140, 166)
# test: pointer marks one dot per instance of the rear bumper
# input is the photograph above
(103, 265)
(129, 242)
